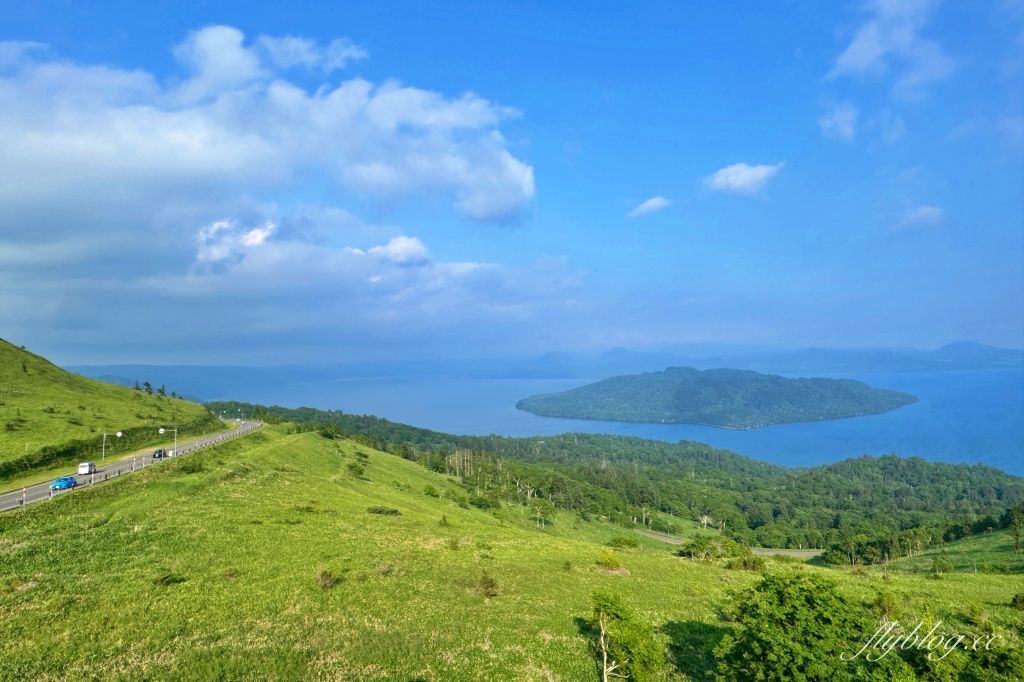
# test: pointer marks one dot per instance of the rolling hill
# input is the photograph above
(50, 417)
(290, 556)
(729, 398)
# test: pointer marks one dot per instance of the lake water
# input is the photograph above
(968, 417)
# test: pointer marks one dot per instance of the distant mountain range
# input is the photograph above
(731, 398)
(204, 383)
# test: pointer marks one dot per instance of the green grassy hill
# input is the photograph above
(260, 559)
(50, 417)
(990, 552)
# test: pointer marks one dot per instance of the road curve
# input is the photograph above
(41, 491)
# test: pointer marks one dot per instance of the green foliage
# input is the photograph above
(793, 626)
(940, 566)
(625, 647)
(430, 491)
(608, 560)
(488, 586)
(383, 511)
(621, 542)
(720, 397)
(1017, 602)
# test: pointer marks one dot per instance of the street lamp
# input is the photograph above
(175, 440)
(118, 434)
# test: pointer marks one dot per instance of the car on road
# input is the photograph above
(64, 483)
(159, 454)
(86, 468)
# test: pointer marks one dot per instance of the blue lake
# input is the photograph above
(971, 417)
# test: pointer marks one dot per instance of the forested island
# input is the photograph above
(731, 398)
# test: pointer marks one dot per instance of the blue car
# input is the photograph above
(64, 483)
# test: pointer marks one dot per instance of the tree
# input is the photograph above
(162, 392)
(147, 387)
(137, 387)
(1015, 520)
(625, 647)
(795, 626)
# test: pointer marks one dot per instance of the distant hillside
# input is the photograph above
(49, 416)
(719, 397)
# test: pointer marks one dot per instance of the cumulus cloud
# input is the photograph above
(72, 130)
(840, 122)
(650, 206)
(741, 178)
(891, 40)
(920, 217)
(402, 251)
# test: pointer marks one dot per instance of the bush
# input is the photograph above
(795, 626)
(488, 585)
(356, 469)
(624, 646)
(746, 563)
(620, 542)
(326, 580)
(940, 566)
(191, 465)
(431, 491)
(608, 560)
(1017, 602)
(383, 511)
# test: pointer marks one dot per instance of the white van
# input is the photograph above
(86, 468)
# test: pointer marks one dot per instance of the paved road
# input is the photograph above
(761, 551)
(41, 491)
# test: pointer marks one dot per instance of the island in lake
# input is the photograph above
(731, 398)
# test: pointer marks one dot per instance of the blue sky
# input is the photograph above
(270, 183)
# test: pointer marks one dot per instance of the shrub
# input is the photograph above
(795, 625)
(608, 560)
(1017, 602)
(749, 562)
(488, 585)
(887, 606)
(431, 491)
(624, 646)
(326, 580)
(620, 542)
(191, 465)
(443, 521)
(383, 511)
(454, 544)
(940, 566)
(356, 469)
(567, 567)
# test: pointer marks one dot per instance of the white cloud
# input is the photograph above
(72, 132)
(840, 122)
(741, 178)
(402, 251)
(892, 36)
(291, 51)
(650, 206)
(920, 216)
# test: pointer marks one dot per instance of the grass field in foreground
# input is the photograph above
(214, 566)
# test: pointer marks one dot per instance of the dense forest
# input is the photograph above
(862, 510)
(731, 398)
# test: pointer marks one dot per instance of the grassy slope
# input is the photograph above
(30, 387)
(991, 552)
(250, 533)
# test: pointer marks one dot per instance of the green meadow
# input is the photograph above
(50, 418)
(285, 556)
